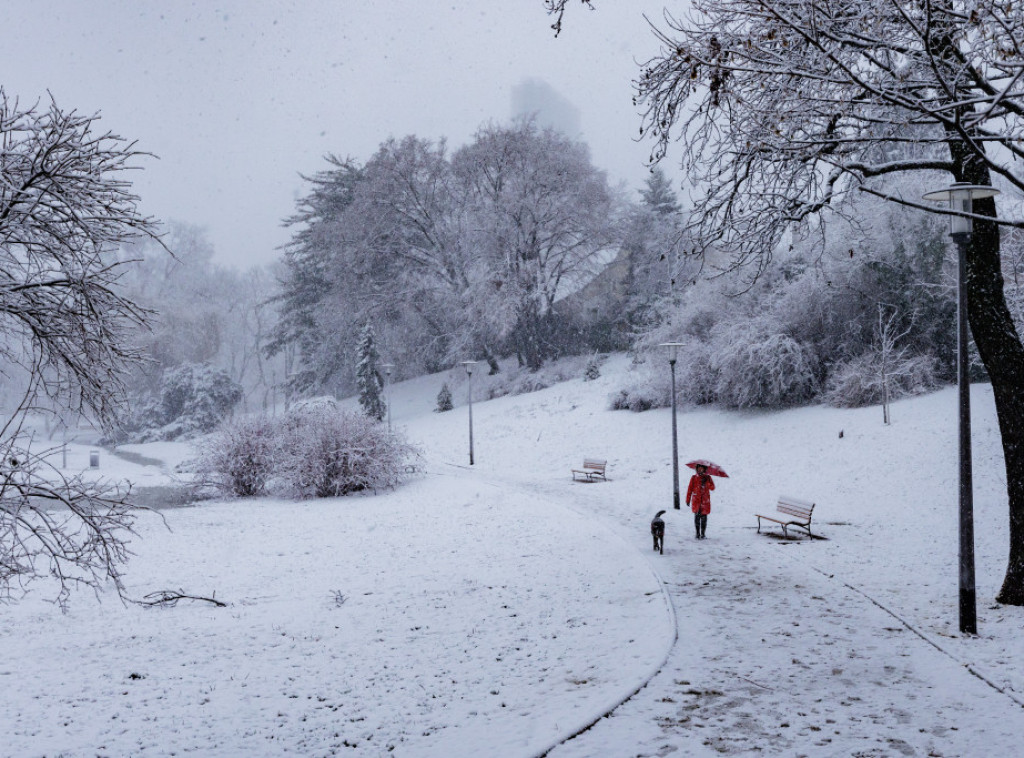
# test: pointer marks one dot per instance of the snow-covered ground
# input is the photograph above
(500, 608)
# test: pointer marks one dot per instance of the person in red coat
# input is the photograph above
(698, 497)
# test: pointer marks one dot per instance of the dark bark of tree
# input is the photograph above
(1000, 349)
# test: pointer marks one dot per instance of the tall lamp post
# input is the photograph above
(387, 373)
(961, 196)
(673, 348)
(469, 372)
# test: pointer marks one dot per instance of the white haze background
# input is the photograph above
(237, 98)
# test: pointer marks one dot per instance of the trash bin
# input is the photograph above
(94, 459)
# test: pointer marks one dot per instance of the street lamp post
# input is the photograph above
(469, 372)
(387, 373)
(960, 196)
(673, 348)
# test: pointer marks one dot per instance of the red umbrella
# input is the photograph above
(713, 468)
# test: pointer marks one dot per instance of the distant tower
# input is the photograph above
(552, 109)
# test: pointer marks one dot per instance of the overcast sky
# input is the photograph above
(239, 98)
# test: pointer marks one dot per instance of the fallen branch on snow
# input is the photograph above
(171, 597)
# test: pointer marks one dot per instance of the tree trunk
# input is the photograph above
(1001, 351)
(529, 337)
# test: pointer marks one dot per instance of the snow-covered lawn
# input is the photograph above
(498, 609)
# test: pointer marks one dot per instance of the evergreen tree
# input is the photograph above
(368, 378)
(658, 195)
(444, 399)
(308, 326)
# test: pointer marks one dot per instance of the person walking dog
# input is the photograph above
(658, 532)
(698, 497)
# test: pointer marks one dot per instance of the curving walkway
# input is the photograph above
(773, 657)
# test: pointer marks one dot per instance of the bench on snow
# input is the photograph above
(793, 512)
(592, 471)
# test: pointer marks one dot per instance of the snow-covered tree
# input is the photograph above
(658, 194)
(444, 399)
(542, 215)
(368, 376)
(308, 330)
(65, 331)
(447, 255)
(758, 365)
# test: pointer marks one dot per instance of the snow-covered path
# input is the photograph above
(775, 658)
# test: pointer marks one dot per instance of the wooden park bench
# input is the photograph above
(793, 512)
(592, 471)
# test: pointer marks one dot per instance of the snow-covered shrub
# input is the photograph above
(636, 399)
(522, 380)
(316, 450)
(320, 404)
(695, 376)
(859, 382)
(238, 460)
(194, 399)
(444, 399)
(645, 390)
(327, 453)
(592, 370)
(756, 367)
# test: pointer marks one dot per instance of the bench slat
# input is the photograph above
(800, 512)
(788, 500)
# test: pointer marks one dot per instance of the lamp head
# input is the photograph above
(673, 349)
(961, 196)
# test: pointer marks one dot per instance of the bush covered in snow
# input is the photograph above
(860, 381)
(239, 459)
(759, 367)
(649, 388)
(521, 380)
(332, 453)
(193, 399)
(315, 450)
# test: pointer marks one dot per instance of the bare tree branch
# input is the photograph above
(64, 211)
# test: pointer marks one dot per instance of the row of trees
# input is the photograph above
(448, 254)
(864, 320)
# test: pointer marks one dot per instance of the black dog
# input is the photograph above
(658, 532)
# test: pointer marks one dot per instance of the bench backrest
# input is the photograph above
(795, 507)
(596, 465)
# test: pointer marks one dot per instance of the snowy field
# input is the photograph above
(497, 610)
